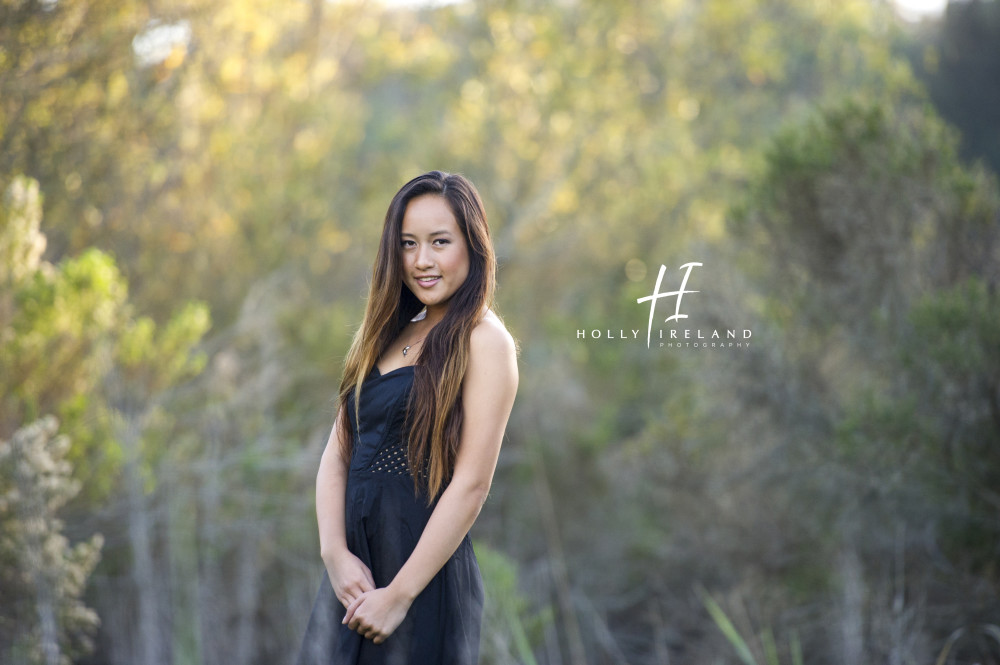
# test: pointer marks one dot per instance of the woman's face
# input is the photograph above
(435, 254)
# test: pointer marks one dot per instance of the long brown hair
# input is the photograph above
(434, 411)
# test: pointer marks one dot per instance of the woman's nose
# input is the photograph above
(424, 258)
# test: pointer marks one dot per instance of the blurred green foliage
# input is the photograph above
(42, 575)
(956, 58)
(231, 162)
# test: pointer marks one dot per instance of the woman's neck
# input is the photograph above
(434, 315)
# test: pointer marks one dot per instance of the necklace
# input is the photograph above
(419, 317)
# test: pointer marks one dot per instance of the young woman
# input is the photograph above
(428, 387)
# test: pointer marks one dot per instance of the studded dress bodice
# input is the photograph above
(379, 444)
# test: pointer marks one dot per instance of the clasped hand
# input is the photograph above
(375, 614)
(349, 577)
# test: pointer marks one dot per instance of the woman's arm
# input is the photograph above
(488, 391)
(349, 576)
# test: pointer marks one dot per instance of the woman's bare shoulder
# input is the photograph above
(493, 355)
(491, 336)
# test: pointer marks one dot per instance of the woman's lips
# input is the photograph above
(428, 283)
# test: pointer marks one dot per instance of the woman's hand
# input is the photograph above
(350, 577)
(376, 614)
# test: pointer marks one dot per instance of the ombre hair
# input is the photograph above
(434, 410)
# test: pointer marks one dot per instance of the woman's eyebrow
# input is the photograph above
(432, 233)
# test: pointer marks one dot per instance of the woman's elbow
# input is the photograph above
(470, 492)
(475, 493)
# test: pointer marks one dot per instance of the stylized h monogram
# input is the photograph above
(657, 295)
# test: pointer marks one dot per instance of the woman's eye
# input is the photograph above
(443, 241)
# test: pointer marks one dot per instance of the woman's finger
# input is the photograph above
(349, 615)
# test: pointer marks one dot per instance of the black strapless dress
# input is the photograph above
(384, 520)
